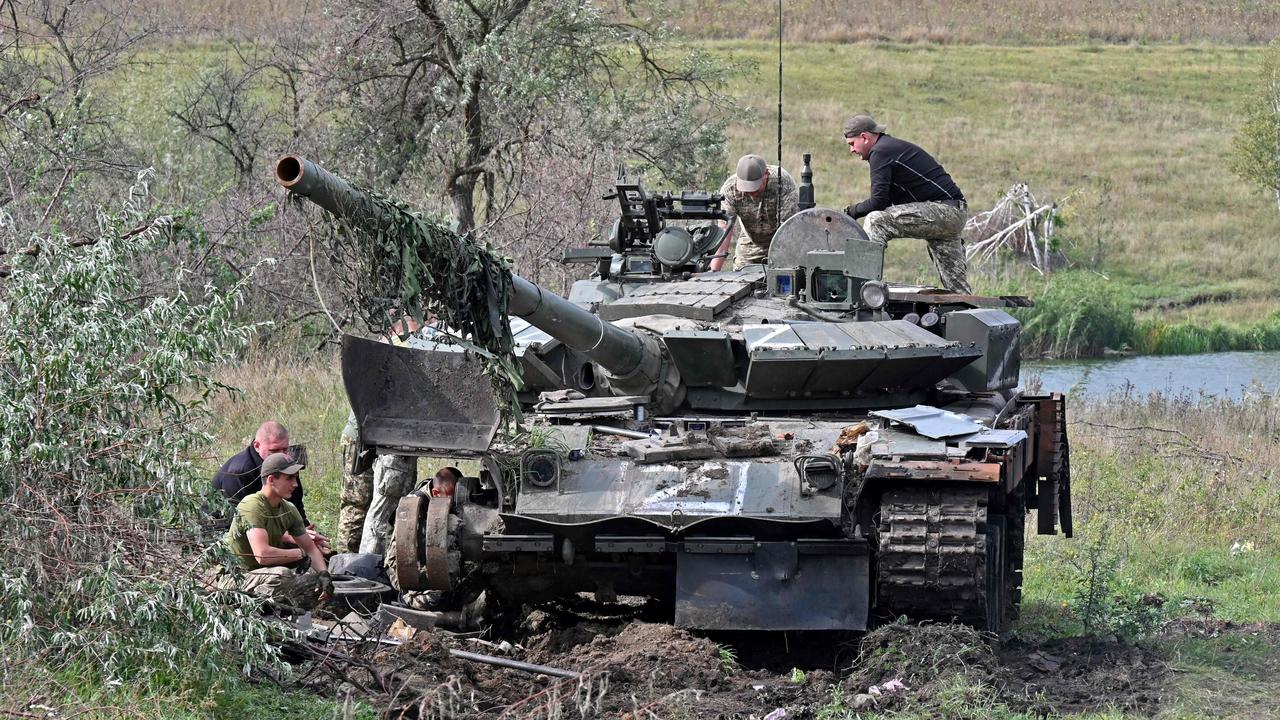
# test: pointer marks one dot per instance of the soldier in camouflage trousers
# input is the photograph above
(938, 224)
(369, 499)
(357, 492)
(758, 198)
(394, 476)
(911, 196)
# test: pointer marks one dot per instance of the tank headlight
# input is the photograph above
(874, 294)
(539, 468)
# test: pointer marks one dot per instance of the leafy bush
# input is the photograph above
(1078, 314)
(103, 392)
(1156, 337)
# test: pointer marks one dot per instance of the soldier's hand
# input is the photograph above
(850, 210)
(321, 541)
(325, 585)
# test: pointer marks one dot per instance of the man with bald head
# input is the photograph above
(239, 477)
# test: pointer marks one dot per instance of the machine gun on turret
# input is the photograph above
(656, 235)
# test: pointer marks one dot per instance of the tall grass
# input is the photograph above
(1180, 491)
(1078, 314)
(1082, 314)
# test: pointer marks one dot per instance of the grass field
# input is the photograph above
(1133, 136)
(1131, 139)
(1022, 22)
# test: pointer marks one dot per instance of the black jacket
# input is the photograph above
(239, 478)
(903, 173)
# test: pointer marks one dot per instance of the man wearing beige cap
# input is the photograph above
(911, 196)
(758, 197)
(258, 535)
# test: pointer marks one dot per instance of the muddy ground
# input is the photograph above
(632, 667)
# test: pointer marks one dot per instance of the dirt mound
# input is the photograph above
(901, 665)
(657, 666)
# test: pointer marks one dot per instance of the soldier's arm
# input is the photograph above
(789, 203)
(881, 180)
(308, 546)
(723, 250)
(267, 555)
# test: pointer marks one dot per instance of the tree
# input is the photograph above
(104, 388)
(58, 140)
(459, 95)
(1255, 152)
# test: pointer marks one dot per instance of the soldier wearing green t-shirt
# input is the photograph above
(257, 537)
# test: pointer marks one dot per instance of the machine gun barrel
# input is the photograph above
(619, 351)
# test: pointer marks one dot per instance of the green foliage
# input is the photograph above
(457, 92)
(1255, 149)
(1156, 337)
(103, 397)
(1078, 313)
(400, 263)
(728, 658)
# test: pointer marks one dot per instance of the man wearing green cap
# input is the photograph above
(911, 196)
(758, 197)
(257, 538)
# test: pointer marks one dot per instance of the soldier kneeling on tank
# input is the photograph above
(296, 576)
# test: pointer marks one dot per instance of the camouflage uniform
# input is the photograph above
(939, 224)
(759, 218)
(357, 492)
(394, 476)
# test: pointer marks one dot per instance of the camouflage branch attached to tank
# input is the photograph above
(938, 224)
(758, 219)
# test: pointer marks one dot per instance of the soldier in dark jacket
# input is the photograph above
(239, 477)
(911, 196)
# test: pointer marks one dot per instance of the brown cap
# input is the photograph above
(751, 172)
(280, 463)
(859, 124)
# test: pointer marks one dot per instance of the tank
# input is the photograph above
(793, 446)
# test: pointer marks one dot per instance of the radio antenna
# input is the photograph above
(779, 83)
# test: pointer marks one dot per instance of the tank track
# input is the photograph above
(933, 554)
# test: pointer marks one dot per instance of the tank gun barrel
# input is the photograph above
(633, 360)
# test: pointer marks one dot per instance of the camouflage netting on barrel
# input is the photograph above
(393, 263)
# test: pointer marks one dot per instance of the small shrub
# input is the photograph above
(1078, 314)
(1106, 603)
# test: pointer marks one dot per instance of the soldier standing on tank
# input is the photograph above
(911, 196)
(758, 198)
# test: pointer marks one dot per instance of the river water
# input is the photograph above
(1219, 374)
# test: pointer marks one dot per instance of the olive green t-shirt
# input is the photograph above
(255, 512)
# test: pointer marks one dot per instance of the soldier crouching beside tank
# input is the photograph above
(257, 534)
